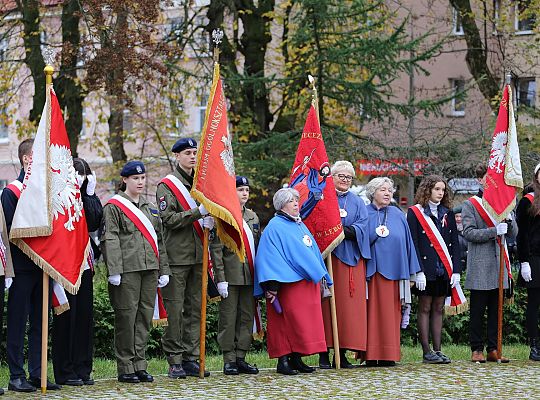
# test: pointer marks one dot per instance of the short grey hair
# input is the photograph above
(283, 196)
(375, 184)
(343, 165)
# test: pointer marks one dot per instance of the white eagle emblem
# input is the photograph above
(227, 154)
(497, 157)
(63, 186)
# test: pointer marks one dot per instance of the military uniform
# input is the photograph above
(236, 311)
(129, 254)
(182, 296)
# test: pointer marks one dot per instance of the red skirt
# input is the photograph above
(351, 308)
(299, 328)
(384, 319)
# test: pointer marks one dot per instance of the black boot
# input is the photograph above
(344, 363)
(284, 368)
(535, 350)
(245, 368)
(324, 360)
(295, 361)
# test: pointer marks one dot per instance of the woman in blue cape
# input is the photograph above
(288, 270)
(392, 266)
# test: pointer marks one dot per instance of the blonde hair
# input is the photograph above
(375, 184)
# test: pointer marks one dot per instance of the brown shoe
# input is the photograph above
(492, 357)
(478, 356)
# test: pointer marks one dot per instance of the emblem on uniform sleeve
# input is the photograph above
(162, 203)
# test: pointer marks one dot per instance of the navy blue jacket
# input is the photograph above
(430, 262)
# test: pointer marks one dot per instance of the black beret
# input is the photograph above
(132, 168)
(184, 143)
(241, 181)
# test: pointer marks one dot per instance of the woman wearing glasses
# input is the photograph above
(349, 267)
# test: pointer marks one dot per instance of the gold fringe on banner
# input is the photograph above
(456, 310)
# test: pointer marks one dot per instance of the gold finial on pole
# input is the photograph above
(217, 38)
(48, 56)
(314, 99)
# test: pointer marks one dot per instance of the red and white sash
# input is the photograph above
(490, 222)
(530, 196)
(16, 187)
(249, 243)
(456, 301)
(144, 225)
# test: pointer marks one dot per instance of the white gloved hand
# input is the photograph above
(80, 179)
(208, 222)
(115, 279)
(8, 282)
(223, 289)
(502, 228)
(526, 272)
(421, 281)
(203, 210)
(163, 281)
(91, 185)
(454, 280)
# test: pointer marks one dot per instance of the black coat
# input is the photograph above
(93, 212)
(528, 242)
(430, 262)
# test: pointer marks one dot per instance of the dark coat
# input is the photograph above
(528, 241)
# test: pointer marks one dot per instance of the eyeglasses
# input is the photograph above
(346, 178)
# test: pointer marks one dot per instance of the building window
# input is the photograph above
(127, 122)
(458, 104)
(496, 15)
(457, 26)
(202, 111)
(526, 92)
(3, 49)
(4, 131)
(176, 25)
(201, 36)
(525, 19)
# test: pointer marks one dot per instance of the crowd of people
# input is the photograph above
(386, 259)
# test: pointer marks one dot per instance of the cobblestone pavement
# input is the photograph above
(458, 380)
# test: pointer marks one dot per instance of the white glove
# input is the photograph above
(91, 185)
(163, 281)
(525, 272)
(115, 280)
(80, 179)
(454, 280)
(203, 210)
(223, 289)
(8, 283)
(208, 222)
(502, 228)
(421, 281)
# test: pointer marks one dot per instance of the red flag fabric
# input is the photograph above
(504, 175)
(310, 175)
(214, 183)
(49, 223)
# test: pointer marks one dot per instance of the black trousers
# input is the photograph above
(533, 304)
(73, 334)
(2, 286)
(24, 304)
(480, 300)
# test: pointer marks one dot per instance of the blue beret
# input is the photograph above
(132, 168)
(241, 181)
(184, 143)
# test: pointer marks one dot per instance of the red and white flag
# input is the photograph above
(49, 223)
(504, 175)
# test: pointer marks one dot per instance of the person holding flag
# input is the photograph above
(137, 263)
(235, 284)
(434, 233)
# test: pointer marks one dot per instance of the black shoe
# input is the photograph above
(432, 358)
(176, 372)
(20, 385)
(245, 368)
(128, 378)
(1, 391)
(192, 368)
(371, 363)
(230, 368)
(144, 376)
(344, 363)
(295, 361)
(444, 357)
(88, 381)
(283, 366)
(50, 385)
(386, 363)
(73, 382)
(324, 360)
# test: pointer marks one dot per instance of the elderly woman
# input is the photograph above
(288, 270)
(349, 268)
(392, 266)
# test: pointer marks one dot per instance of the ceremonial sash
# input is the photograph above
(249, 243)
(530, 196)
(456, 303)
(144, 225)
(490, 222)
(16, 187)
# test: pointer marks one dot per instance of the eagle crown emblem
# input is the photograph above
(227, 154)
(497, 157)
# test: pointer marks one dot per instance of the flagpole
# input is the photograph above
(501, 299)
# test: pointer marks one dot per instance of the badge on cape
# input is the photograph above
(307, 241)
(342, 212)
(382, 231)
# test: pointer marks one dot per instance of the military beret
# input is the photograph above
(184, 143)
(241, 181)
(132, 168)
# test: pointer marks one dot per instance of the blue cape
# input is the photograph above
(394, 256)
(282, 255)
(350, 251)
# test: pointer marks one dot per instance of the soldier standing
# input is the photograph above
(183, 223)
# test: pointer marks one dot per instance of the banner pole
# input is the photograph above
(44, 332)
(501, 299)
(204, 284)
(333, 313)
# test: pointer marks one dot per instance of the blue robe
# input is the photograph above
(350, 251)
(282, 255)
(394, 256)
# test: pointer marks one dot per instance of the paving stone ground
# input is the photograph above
(459, 380)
